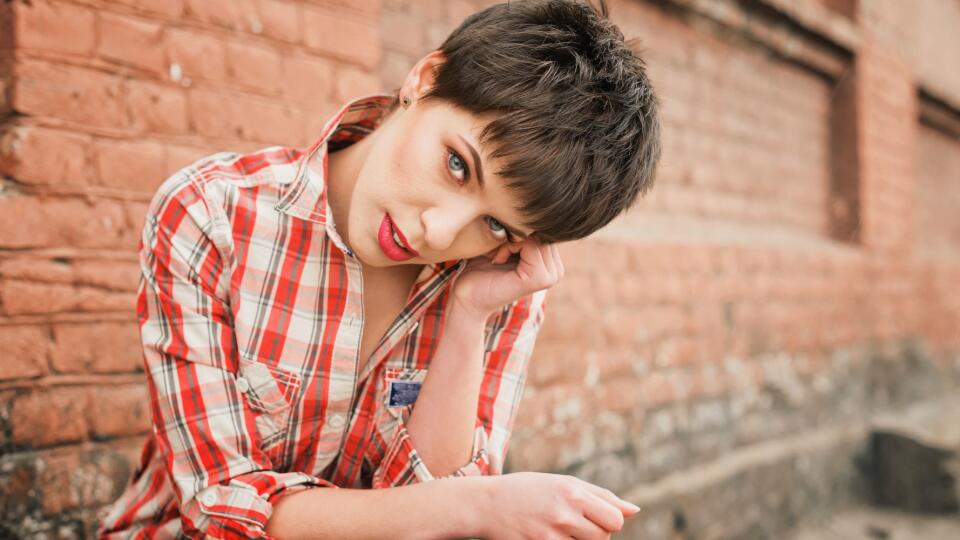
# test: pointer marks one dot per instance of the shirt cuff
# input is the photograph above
(240, 508)
(402, 464)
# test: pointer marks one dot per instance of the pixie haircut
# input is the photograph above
(576, 120)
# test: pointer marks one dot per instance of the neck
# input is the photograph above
(343, 168)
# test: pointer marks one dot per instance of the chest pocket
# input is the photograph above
(401, 387)
(271, 392)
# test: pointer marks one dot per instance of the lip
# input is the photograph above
(389, 246)
(403, 238)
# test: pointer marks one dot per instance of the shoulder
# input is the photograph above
(210, 184)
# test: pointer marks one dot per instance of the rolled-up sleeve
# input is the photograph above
(204, 425)
(508, 346)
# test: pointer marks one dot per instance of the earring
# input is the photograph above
(405, 101)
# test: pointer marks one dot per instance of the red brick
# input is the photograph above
(255, 66)
(96, 348)
(106, 274)
(170, 8)
(353, 83)
(36, 269)
(18, 490)
(49, 416)
(271, 123)
(620, 395)
(24, 350)
(435, 35)
(36, 155)
(557, 361)
(280, 20)
(138, 165)
(28, 297)
(84, 477)
(179, 157)
(58, 475)
(315, 117)
(369, 9)
(131, 41)
(79, 95)
(233, 14)
(308, 79)
(155, 108)
(135, 212)
(347, 38)
(404, 32)
(110, 274)
(394, 68)
(201, 56)
(214, 115)
(120, 411)
(46, 222)
(54, 26)
(656, 389)
(230, 116)
(458, 10)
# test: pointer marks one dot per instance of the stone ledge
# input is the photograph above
(770, 487)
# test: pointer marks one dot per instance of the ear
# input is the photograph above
(421, 76)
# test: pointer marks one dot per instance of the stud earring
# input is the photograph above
(405, 101)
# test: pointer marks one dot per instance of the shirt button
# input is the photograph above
(209, 498)
(242, 384)
(336, 421)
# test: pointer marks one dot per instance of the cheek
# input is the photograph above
(412, 160)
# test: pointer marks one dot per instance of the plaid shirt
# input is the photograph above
(251, 311)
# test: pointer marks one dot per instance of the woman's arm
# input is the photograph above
(443, 508)
(444, 416)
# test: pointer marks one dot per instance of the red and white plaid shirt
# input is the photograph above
(251, 310)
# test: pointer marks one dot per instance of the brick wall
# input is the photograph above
(793, 267)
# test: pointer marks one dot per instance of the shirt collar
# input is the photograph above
(305, 196)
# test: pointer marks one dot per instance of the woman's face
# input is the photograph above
(427, 182)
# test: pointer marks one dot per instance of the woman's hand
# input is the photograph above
(490, 281)
(532, 505)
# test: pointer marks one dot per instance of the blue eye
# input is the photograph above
(457, 165)
(498, 229)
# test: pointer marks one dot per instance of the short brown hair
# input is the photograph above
(577, 123)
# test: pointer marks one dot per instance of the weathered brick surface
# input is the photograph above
(724, 312)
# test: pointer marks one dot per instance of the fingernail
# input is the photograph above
(633, 507)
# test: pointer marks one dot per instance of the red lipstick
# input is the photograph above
(394, 250)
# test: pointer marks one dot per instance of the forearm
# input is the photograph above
(402, 512)
(444, 416)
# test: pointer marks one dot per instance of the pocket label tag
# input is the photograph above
(402, 393)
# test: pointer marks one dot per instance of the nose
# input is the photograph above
(443, 223)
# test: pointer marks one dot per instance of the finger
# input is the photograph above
(531, 261)
(587, 529)
(603, 513)
(558, 260)
(549, 263)
(627, 507)
(502, 254)
(555, 270)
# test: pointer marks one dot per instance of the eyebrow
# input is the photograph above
(479, 167)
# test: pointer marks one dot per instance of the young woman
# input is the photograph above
(361, 314)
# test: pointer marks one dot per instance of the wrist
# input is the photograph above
(480, 514)
(463, 312)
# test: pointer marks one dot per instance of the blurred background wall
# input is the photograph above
(713, 355)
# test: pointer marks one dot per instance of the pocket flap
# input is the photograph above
(269, 389)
